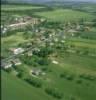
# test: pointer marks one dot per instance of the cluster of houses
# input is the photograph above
(21, 22)
(9, 63)
(42, 38)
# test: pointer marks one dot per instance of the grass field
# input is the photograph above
(19, 7)
(11, 85)
(63, 15)
(83, 43)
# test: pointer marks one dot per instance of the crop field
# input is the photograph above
(71, 77)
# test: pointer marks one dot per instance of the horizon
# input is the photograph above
(49, 0)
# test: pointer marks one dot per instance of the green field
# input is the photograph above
(63, 15)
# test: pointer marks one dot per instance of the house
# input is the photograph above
(4, 30)
(10, 62)
(78, 27)
(27, 18)
(62, 41)
(51, 44)
(64, 37)
(87, 28)
(6, 65)
(56, 40)
(17, 50)
(30, 53)
(54, 62)
(35, 21)
(72, 31)
(72, 34)
(1, 26)
(36, 72)
(16, 62)
(42, 20)
(36, 49)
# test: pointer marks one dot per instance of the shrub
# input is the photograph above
(63, 75)
(8, 70)
(69, 77)
(45, 69)
(81, 75)
(54, 92)
(72, 98)
(79, 81)
(29, 60)
(20, 74)
(85, 52)
(87, 77)
(44, 52)
(35, 82)
(78, 51)
(43, 61)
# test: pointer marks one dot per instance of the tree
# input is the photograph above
(43, 61)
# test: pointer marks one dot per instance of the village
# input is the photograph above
(44, 42)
